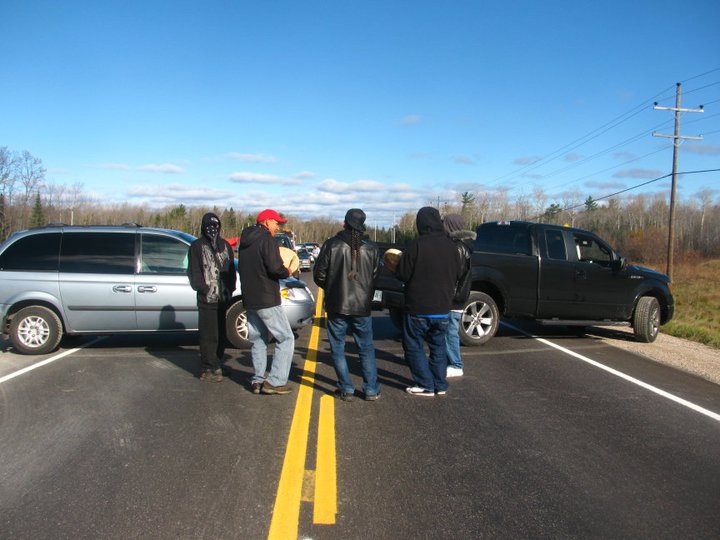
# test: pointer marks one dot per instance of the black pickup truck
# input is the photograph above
(556, 275)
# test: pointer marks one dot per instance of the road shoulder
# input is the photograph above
(681, 354)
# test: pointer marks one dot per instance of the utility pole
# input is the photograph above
(676, 145)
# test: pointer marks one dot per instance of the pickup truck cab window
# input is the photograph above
(590, 250)
(555, 245)
(503, 237)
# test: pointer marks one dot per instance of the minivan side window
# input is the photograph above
(37, 252)
(97, 253)
(163, 255)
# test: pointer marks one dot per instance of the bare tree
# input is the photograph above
(31, 174)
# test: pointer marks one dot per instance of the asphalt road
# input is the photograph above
(118, 440)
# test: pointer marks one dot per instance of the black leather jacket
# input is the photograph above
(464, 284)
(343, 295)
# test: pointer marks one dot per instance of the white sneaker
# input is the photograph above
(453, 371)
(419, 391)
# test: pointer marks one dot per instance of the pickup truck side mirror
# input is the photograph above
(618, 264)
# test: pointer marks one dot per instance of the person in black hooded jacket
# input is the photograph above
(346, 269)
(211, 271)
(261, 267)
(430, 267)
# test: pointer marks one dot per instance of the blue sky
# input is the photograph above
(314, 107)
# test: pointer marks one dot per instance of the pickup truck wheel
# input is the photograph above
(236, 327)
(35, 330)
(480, 319)
(646, 321)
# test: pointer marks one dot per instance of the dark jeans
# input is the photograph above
(211, 325)
(428, 373)
(361, 328)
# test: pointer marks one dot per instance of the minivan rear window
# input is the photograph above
(37, 252)
(98, 253)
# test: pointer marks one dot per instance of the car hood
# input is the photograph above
(648, 273)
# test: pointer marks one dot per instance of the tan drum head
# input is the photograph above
(392, 258)
(290, 259)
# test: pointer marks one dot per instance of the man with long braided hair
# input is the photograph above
(346, 269)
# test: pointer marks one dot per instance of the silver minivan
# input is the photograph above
(65, 280)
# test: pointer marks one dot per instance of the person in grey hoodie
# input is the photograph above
(455, 228)
(211, 271)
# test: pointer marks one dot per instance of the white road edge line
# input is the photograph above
(46, 361)
(663, 393)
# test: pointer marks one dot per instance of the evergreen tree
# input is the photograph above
(37, 219)
(590, 204)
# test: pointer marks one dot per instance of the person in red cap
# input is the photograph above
(260, 267)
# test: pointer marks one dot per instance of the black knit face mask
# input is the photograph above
(212, 231)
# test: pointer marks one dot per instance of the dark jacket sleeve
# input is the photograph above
(195, 268)
(320, 271)
(231, 274)
(464, 282)
(406, 266)
(273, 262)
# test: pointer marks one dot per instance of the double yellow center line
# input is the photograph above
(297, 484)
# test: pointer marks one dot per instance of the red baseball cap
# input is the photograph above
(270, 214)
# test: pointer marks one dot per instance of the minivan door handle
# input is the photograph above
(122, 288)
(147, 288)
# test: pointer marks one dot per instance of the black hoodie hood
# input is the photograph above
(210, 227)
(428, 221)
(251, 235)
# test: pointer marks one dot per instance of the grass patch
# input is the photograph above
(696, 288)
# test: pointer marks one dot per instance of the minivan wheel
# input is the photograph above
(35, 330)
(479, 320)
(236, 326)
(646, 321)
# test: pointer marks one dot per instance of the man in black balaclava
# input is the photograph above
(211, 271)
(430, 268)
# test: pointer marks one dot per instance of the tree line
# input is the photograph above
(635, 225)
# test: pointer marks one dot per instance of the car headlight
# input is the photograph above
(296, 293)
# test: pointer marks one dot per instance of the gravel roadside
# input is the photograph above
(679, 353)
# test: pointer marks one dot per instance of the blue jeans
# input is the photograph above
(452, 337)
(428, 374)
(362, 333)
(263, 323)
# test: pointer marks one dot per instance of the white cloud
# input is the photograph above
(115, 166)
(638, 173)
(605, 185)
(165, 168)
(176, 193)
(573, 156)
(333, 186)
(702, 149)
(411, 120)
(254, 158)
(463, 160)
(260, 178)
(304, 175)
(527, 160)
(624, 156)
